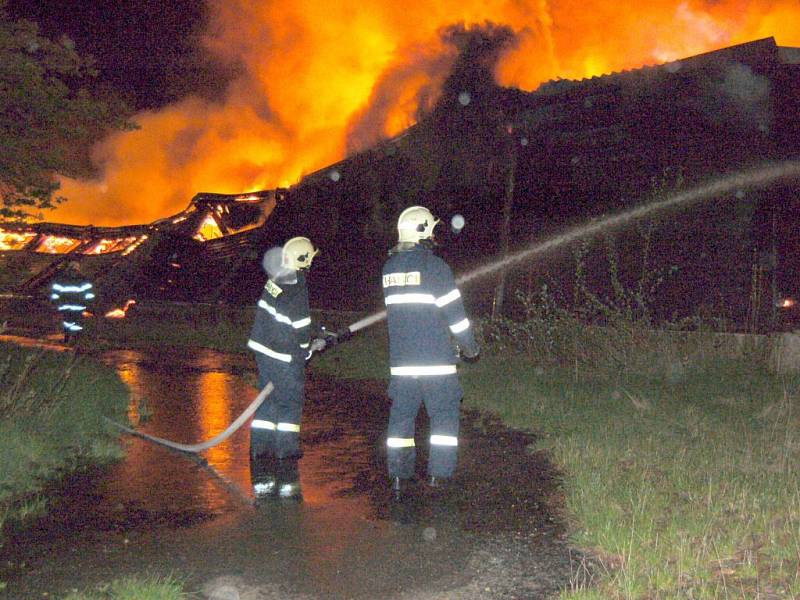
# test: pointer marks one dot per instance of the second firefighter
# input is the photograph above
(72, 293)
(281, 341)
(425, 316)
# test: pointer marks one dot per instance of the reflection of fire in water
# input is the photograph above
(314, 81)
(215, 391)
(131, 376)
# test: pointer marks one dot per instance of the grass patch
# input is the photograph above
(135, 588)
(51, 422)
(682, 489)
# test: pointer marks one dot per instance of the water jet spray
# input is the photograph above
(735, 182)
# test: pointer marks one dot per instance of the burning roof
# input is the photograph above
(148, 257)
(208, 216)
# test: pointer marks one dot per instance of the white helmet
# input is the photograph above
(298, 253)
(416, 223)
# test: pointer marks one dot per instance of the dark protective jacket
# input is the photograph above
(424, 312)
(282, 326)
(71, 293)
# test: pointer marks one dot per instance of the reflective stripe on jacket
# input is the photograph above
(282, 325)
(424, 311)
(71, 293)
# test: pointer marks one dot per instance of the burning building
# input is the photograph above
(169, 259)
(519, 166)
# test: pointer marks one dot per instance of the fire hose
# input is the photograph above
(332, 339)
(195, 448)
(192, 450)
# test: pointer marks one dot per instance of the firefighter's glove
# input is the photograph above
(318, 345)
(471, 355)
(343, 335)
(330, 338)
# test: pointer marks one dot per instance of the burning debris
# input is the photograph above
(117, 257)
(208, 217)
(119, 313)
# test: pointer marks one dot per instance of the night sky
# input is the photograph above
(148, 51)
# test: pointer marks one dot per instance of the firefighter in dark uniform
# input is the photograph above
(425, 316)
(281, 341)
(71, 293)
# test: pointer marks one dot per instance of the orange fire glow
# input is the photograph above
(12, 240)
(54, 244)
(104, 246)
(119, 313)
(208, 230)
(318, 78)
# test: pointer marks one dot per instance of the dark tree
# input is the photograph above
(49, 119)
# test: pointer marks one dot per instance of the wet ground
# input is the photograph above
(325, 527)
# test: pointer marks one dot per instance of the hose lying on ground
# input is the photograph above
(195, 448)
(345, 334)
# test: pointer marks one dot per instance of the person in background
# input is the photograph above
(281, 342)
(72, 293)
(425, 316)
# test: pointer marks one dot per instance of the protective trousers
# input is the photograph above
(442, 396)
(275, 429)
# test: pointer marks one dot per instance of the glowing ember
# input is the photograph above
(208, 230)
(135, 245)
(10, 240)
(105, 246)
(53, 244)
(119, 313)
(787, 303)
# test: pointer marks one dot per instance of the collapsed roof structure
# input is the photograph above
(132, 261)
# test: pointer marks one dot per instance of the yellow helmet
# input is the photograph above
(298, 253)
(416, 223)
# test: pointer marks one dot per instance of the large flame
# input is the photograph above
(314, 80)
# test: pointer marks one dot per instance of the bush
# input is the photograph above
(606, 335)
